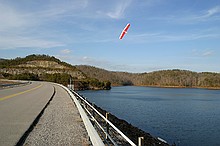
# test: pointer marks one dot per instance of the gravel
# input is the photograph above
(60, 124)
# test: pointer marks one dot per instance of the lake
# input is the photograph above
(188, 117)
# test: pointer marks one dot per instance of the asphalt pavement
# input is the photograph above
(19, 106)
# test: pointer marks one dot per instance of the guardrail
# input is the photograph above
(109, 132)
(93, 135)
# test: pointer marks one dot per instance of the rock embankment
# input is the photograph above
(131, 131)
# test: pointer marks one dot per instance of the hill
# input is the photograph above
(47, 68)
(116, 78)
(164, 78)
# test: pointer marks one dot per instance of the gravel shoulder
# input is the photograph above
(60, 124)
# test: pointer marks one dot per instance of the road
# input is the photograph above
(19, 106)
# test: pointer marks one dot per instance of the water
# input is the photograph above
(188, 117)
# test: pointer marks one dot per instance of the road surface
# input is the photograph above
(59, 124)
(19, 106)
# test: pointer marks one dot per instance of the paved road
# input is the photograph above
(19, 107)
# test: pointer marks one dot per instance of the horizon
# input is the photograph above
(118, 71)
(163, 35)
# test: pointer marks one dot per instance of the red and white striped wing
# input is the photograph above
(124, 31)
(122, 35)
(126, 27)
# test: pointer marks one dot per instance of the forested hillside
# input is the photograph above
(47, 68)
(163, 78)
(116, 78)
(181, 78)
(18, 61)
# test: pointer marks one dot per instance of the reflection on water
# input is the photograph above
(185, 116)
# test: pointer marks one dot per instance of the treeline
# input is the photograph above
(63, 78)
(56, 78)
(92, 84)
(24, 76)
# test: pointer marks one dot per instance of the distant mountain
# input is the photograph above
(49, 68)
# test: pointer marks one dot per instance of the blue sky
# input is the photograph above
(164, 34)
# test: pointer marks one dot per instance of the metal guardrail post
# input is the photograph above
(140, 140)
(85, 103)
(93, 112)
(107, 126)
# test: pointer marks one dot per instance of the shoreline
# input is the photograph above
(180, 87)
